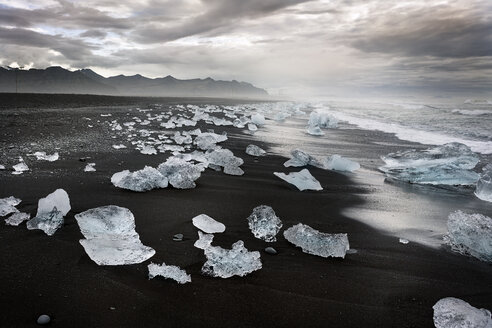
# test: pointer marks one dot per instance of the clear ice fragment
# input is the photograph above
(17, 218)
(254, 150)
(264, 223)
(208, 224)
(452, 312)
(145, 179)
(303, 180)
(484, 184)
(168, 272)
(339, 163)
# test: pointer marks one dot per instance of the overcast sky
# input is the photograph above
(286, 46)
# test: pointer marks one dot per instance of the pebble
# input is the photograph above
(270, 250)
(178, 237)
(351, 251)
(44, 319)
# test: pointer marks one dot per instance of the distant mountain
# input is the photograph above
(86, 81)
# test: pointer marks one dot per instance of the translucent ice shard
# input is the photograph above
(258, 119)
(484, 184)
(110, 236)
(20, 168)
(303, 180)
(317, 243)
(314, 131)
(168, 272)
(252, 127)
(204, 240)
(452, 312)
(301, 158)
(208, 224)
(7, 205)
(322, 120)
(226, 159)
(209, 140)
(145, 179)
(254, 150)
(180, 173)
(49, 222)
(17, 218)
(90, 167)
(470, 234)
(264, 224)
(41, 155)
(225, 263)
(449, 164)
(339, 163)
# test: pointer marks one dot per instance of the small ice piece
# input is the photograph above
(17, 218)
(148, 150)
(2, 167)
(209, 140)
(204, 240)
(484, 184)
(226, 159)
(168, 272)
(254, 150)
(90, 167)
(303, 180)
(452, 312)
(252, 127)
(207, 224)
(49, 222)
(145, 179)
(449, 164)
(57, 199)
(20, 168)
(110, 236)
(301, 158)
(225, 263)
(41, 155)
(120, 146)
(258, 119)
(403, 241)
(315, 131)
(339, 163)
(180, 173)
(317, 243)
(264, 224)
(470, 234)
(182, 139)
(7, 205)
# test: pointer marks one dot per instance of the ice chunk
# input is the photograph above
(258, 119)
(7, 205)
(182, 139)
(120, 146)
(225, 263)
(2, 167)
(204, 240)
(207, 224)
(470, 234)
(110, 236)
(303, 180)
(338, 163)
(452, 312)
(254, 150)
(226, 159)
(403, 241)
(209, 140)
(17, 218)
(90, 167)
(252, 127)
(449, 164)
(264, 224)
(20, 168)
(315, 131)
(58, 199)
(49, 222)
(317, 243)
(168, 272)
(322, 120)
(484, 184)
(41, 155)
(180, 173)
(301, 158)
(148, 150)
(145, 179)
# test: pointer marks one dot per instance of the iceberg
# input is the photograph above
(226, 159)
(258, 119)
(51, 212)
(452, 312)
(484, 184)
(225, 263)
(204, 240)
(301, 158)
(168, 272)
(110, 236)
(90, 167)
(449, 164)
(303, 180)
(264, 224)
(145, 179)
(17, 218)
(338, 163)
(208, 224)
(317, 243)
(41, 155)
(180, 173)
(470, 234)
(254, 150)
(7, 205)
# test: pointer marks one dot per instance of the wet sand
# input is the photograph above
(385, 284)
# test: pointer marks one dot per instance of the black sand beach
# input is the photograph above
(385, 284)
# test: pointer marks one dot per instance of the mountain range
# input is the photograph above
(85, 81)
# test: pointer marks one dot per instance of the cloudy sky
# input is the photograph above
(295, 47)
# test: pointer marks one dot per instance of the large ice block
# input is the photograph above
(226, 159)
(264, 223)
(145, 179)
(452, 312)
(484, 184)
(180, 173)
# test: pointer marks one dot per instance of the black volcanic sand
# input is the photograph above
(385, 284)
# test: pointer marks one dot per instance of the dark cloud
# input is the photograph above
(93, 34)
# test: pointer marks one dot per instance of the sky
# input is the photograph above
(289, 47)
